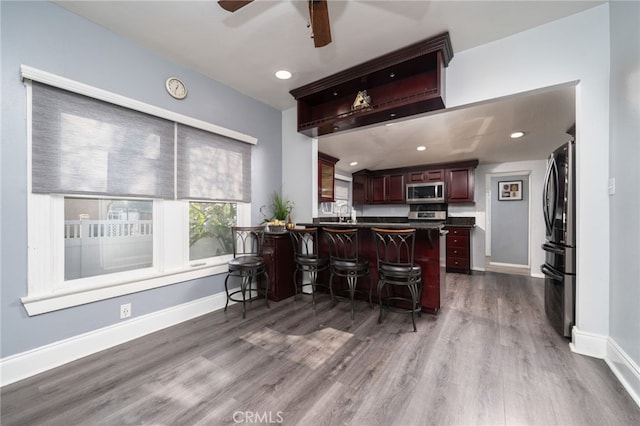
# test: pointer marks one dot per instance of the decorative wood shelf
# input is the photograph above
(405, 82)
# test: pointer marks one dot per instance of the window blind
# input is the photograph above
(81, 145)
(212, 167)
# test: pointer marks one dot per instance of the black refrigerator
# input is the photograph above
(559, 209)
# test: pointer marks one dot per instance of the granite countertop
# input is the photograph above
(388, 225)
(454, 225)
(461, 222)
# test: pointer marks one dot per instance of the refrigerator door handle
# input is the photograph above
(550, 174)
(552, 249)
(551, 273)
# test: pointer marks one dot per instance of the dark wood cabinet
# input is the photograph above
(388, 186)
(402, 83)
(396, 189)
(386, 189)
(458, 249)
(460, 184)
(436, 175)
(278, 255)
(360, 188)
(326, 177)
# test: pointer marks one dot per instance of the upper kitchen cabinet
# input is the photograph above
(375, 187)
(387, 189)
(388, 186)
(361, 187)
(326, 177)
(460, 182)
(426, 176)
(402, 83)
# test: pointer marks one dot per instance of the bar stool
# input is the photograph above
(344, 262)
(307, 259)
(247, 264)
(394, 251)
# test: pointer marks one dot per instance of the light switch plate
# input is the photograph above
(612, 186)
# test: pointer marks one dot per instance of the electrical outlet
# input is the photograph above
(125, 310)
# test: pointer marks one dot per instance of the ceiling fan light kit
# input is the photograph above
(318, 18)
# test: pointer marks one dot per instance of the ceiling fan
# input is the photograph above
(318, 18)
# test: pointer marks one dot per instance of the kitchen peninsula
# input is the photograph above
(427, 254)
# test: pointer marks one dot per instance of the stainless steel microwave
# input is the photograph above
(428, 192)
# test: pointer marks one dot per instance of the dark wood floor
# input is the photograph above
(489, 357)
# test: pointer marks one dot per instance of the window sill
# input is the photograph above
(62, 299)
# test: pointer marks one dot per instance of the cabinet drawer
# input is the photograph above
(457, 263)
(461, 232)
(455, 241)
(455, 251)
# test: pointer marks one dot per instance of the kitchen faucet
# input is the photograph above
(341, 216)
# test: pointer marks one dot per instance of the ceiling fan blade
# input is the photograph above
(233, 5)
(319, 17)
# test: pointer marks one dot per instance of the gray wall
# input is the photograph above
(624, 160)
(47, 37)
(510, 224)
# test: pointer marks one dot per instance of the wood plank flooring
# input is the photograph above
(488, 358)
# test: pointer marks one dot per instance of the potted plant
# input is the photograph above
(278, 213)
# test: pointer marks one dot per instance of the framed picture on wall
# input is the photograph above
(510, 190)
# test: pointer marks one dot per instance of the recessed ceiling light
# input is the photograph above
(421, 148)
(516, 135)
(283, 74)
(353, 163)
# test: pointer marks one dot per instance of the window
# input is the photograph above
(104, 236)
(209, 229)
(124, 196)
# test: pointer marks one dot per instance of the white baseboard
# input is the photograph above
(509, 265)
(590, 344)
(537, 274)
(624, 368)
(32, 362)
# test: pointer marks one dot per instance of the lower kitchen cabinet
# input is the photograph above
(458, 249)
(278, 255)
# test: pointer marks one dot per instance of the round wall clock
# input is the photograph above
(176, 88)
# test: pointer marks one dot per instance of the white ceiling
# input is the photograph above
(245, 48)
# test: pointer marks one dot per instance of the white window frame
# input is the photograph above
(47, 291)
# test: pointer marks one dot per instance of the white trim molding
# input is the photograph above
(590, 344)
(21, 366)
(624, 368)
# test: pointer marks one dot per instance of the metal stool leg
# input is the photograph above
(312, 276)
(246, 283)
(380, 285)
(333, 300)
(352, 280)
(226, 290)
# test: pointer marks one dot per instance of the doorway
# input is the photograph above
(508, 222)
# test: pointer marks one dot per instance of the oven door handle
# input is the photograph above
(552, 249)
(551, 273)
